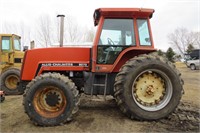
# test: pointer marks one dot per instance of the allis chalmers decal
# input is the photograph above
(65, 64)
(60, 65)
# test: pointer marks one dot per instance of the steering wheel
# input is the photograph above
(110, 42)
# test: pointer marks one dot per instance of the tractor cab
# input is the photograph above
(120, 31)
(10, 44)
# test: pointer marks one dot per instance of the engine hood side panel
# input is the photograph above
(58, 59)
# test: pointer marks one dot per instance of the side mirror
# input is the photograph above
(25, 48)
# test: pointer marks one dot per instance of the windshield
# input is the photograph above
(5, 43)
(118, 32)
(17, 44)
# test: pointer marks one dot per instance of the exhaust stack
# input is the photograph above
(61, 29)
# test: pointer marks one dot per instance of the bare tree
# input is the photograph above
(73, 32)
(44, 31)
(89, 35)
(10, 28)
(48, 30)
(20, 29)
(56, 23)
(181, 38)
(196, 37)
(25, 34)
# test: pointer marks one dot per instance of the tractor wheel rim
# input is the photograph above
(11, 82)
(152, 90)
(49, 101)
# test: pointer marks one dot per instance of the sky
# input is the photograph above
(169, 14)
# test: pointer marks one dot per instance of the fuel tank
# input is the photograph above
(37, 61)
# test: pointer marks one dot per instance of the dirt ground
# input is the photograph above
(96, 115)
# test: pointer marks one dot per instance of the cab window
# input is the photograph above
(143, 30)
(6, 43)
(116, 35)
(17, 44)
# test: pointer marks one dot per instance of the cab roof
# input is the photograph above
(5, 34)
(122, 13)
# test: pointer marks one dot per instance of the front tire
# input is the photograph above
(148, 88)
(51, 99)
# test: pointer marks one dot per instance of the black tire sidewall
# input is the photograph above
(176, 93)
(29, 107)
(10, 71)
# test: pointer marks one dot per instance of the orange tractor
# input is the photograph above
(122, 62)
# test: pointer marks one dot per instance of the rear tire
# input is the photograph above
(148, 88)
(51, 99)
(9, 80)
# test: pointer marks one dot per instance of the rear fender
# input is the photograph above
(128, 54)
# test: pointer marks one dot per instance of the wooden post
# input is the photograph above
(32, 45)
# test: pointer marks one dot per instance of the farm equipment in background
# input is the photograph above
(193, 59)
(11, 60)
(122, 62)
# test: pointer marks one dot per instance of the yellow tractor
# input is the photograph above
(10, 63)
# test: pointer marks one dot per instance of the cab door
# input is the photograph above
(116, 35)
(6, 49)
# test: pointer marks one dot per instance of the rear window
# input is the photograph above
(143, 30)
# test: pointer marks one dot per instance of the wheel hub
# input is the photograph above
(49, 101)
(52, 99)
(11, 81)
(149, 89)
